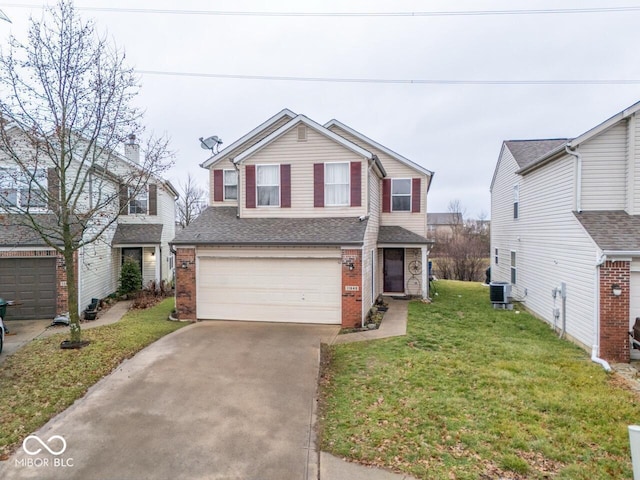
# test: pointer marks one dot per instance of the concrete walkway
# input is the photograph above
(394, 324)
(23, 331)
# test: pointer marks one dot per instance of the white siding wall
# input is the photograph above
(634, 159)
(301, 156)
(369, 248)
(604, 169)
(148, 266)
(550, 244)
(415, 222)
(97, 276)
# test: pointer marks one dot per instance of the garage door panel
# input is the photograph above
(268, 289)
(32, 282)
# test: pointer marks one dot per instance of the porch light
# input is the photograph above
(616, 290)
(350, 265)
(184, 265)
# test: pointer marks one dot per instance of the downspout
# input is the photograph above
(574, 152)
(595, 351)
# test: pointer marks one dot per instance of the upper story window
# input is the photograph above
(268, 185)
(26, 190)
(401, 195)
(495, 256)
(138, 202)
(230, 185)
(513, 268)
(336, 184)
(516, 200)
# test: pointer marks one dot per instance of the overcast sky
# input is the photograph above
(452, 129)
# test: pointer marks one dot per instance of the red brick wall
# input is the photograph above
(62, 302)
(614, 311)
(186, 283)
(351, 300)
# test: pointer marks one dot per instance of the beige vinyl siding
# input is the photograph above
(369, 248)
(225, 163)
(550, 244)
(301, 156)
(148, 266)
(634, 159)
(415, 222)
(604, 170)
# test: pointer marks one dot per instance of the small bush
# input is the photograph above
(130, 277)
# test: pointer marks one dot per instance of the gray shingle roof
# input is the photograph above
(526, 152)
(137, 233)
(399, 235)
(220, 226)
(14, 233)
(614, 230)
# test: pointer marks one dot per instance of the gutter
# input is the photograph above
(235, 165)
(574, 152)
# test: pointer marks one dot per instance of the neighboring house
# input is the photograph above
(443, 224)
(307, 223)
(565, 233)
(33, 274)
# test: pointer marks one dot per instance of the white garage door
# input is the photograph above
(304, 290)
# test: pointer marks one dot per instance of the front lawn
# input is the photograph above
(41, 380)
(476, 393)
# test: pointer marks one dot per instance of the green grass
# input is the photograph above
(472, 392)
(41, 380)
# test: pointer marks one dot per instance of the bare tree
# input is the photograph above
(192, 201)
(65, 106)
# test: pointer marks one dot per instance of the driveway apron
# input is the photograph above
(214, 400)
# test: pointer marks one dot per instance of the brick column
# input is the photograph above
(186, 283)
(351, 288)
(614, 311)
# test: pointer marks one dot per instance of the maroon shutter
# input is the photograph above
(318, 184)
(415, 195)
(153, 199)
(250, 173)
(124, 200)
(218, 185)
(386, 195)
(356, 184)
(285, 186)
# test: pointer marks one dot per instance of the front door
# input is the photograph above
(394, 270)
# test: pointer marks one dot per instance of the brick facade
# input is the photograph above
(614, 311)
(186, 283)
(351, 298)
(62, 299)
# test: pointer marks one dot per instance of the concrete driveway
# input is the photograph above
(214, 400)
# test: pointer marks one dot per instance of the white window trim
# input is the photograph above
(145, 190)
(224, 184)
(513, 270)
(348, 202)
(279, 185)
(516, 201)
(18, 187)
(410, 195)
(495, 255)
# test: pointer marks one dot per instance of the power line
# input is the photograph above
(450, 13)
(392, 80)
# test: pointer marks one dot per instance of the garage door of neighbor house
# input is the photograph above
(303, 290)
(32, 282)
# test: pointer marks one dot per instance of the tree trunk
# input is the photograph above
(72, 287)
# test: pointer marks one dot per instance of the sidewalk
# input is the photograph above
(394, 324)
(23, 331)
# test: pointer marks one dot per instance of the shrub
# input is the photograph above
(130, 277)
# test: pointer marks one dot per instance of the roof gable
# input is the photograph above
(234, 147)
(378, 146)
(301, 119)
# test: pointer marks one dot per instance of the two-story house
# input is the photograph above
(306, 223)
(565, 217)
(32, 272)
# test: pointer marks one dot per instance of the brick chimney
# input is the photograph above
(132, 149)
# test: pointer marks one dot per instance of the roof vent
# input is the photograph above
(302, 133)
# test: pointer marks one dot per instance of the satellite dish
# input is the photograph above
(211, 143)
